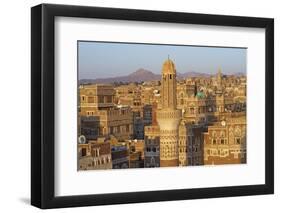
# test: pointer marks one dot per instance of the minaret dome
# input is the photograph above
(168, 67)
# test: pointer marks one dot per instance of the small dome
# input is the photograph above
(200, 95)
(168, 67)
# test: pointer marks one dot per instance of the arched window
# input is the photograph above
(237, 131)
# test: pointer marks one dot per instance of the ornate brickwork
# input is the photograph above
(168, 117)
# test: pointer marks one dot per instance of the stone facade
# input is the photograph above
(100, 116)
(136, 148)
(225, 142)
(120, 157)
(94, 155)
(152, 146)
(168, 117)
(191, 144)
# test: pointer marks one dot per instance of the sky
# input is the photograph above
(108, 59)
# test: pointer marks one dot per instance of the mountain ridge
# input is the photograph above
(141, 75)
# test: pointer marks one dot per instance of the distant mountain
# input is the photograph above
(239, 74)
(141, 75)
(137, 76)
(192, 74)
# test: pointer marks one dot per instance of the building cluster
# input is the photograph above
(172, 122)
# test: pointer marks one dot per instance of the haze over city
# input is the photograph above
(108, 59)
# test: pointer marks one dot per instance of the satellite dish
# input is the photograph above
(82, 139)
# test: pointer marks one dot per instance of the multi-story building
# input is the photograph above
(95, 97)
(152, 146)
(191, 144)
(136, 148)
(120, 156)
(100, 116)
(138, 128)
(90, 127)
(147, 114)
(94, 155)
(225, 142)
(129, 95)
(195, 148)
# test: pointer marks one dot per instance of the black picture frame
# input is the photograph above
(43, 102)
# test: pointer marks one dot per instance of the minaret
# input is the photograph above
(219, 82)
(219, 77)
(168, 116)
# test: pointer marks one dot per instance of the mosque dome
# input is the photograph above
(200, 95)
(168, 67)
